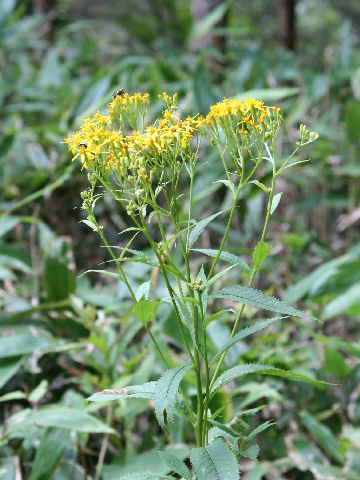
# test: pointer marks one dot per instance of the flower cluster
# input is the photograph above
(132, 160)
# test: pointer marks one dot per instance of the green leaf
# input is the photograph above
(269, 94)
(259, 429)
(219, 275)
(22, 344)
(39, 391)
(227, 257)
(146, 476)
(165, 393)
(65, 418)
(343, 302)
(251, 296)
(252, 452)
(147, 390)
(215, 462)
(9, 367)
(246, 369)
(90, 224)
(200, 226)
(260, 253)
(216, 315)
(176, 465)
(275, 202)
(143, 291)
(144, 462)
(208, 22)
(8, 223)
(352, 121)
(48, 454)
(145, 310)
(59, 279)
(228, 184)
(260, 185)
(323, 435)
(245, 332)
(335, 364)
(104, 272)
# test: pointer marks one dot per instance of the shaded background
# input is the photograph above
(59, 62)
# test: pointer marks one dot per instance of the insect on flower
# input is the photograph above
(118, 93)
(82, 145)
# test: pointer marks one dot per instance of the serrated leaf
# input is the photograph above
(245, 332)
(176, 465)
(214, 462)
(260, 253)
(147, 390)
(200, 226)
(246, 369)
(275, 202)
(256, 298)
(165, 393)
(225, 256)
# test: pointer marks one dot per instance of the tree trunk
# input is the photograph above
(286, 23)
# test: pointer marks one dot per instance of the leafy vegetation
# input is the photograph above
(67, 336)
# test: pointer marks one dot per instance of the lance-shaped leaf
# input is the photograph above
(225, 256)
(165, 393)
(215, 462)
(256, 298)
(246, 369)
(200, 226)
(146, 390)
(245, 332)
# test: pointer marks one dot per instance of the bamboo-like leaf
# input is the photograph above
(225, 256)
(165, 393)
(246, 369)
(245, 332)
(215, 462)
(251, 296)
(146, 390)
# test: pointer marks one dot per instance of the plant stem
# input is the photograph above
(254, 270)
(104, 443)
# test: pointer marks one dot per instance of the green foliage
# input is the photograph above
(64, 337)
(214, 462)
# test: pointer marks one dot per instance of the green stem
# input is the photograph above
(254, 270)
